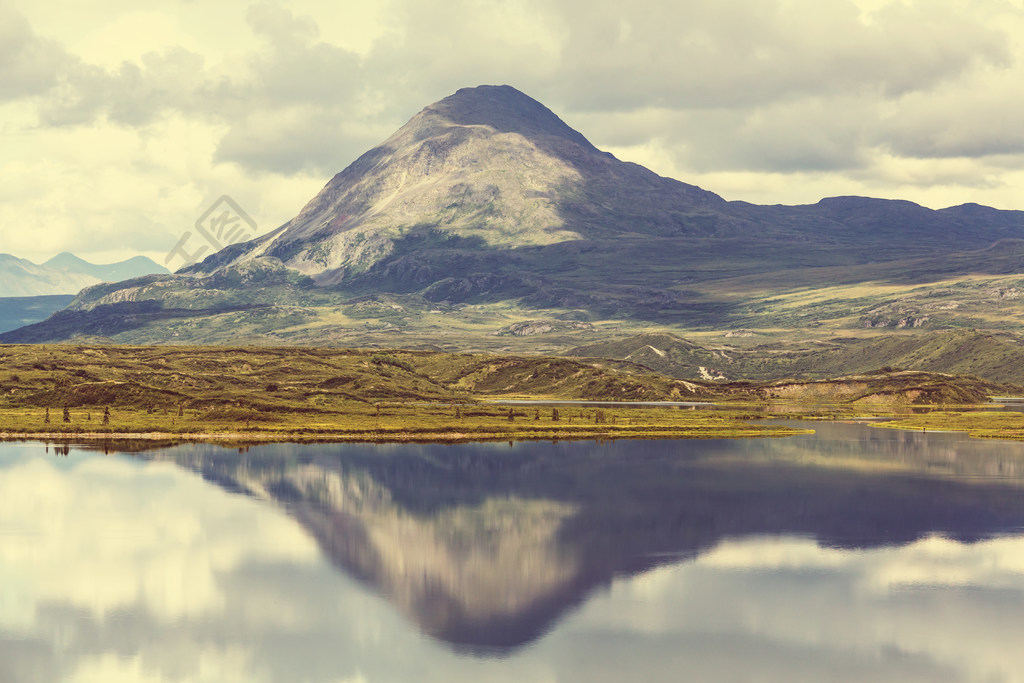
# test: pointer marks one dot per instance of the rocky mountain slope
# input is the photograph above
(486, 211)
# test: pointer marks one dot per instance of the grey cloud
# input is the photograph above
(299, 69)
(294, 74)
(131, 95)
(739, 84)
(958, 124)
(293, 142)
(813, 134)
(735, 84)
(746, 52)
(29, 65)
(26, 659)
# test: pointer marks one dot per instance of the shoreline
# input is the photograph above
(402, 437)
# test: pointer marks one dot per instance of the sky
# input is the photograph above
(123, 122)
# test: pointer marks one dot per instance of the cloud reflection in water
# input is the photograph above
(120, 569)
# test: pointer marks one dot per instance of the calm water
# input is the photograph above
(853, 554)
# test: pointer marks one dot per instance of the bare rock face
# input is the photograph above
(528, 328)
(487, 167)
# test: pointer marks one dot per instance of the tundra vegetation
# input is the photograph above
(261, 393)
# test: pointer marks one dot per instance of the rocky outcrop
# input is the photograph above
(528, 328)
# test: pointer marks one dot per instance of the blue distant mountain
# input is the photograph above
(66, 273)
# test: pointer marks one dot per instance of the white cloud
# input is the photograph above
(936, 609)
(76, 546)
(782, 101)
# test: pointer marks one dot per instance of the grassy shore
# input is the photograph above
(979, 425)
(253, 393)
(388, 422)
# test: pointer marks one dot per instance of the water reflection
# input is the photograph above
(485, 546)
(839, 552)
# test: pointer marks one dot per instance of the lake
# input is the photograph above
(854, 554)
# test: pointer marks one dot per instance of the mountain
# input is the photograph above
(20, 278)
(487, 169)
(111, 272)
(486, 211)
(65, 274)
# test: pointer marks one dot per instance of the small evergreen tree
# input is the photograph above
(536, 416)
(67, 414)
(554, 414)
(46, 420)
(106, 415)
(511, 415)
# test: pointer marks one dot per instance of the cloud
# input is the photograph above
(295, 140)
(798, 611)
(29, 65)
(777, 100)
(745, 52)
(959, 122)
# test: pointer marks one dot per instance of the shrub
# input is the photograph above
(382, 359)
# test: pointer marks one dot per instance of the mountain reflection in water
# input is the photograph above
(484, 546)
(487, 548)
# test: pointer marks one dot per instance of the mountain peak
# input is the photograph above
(504, 109)
(67, 260)
(486, 168)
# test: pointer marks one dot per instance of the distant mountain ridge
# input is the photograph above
(66, 273)
(486, 210)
